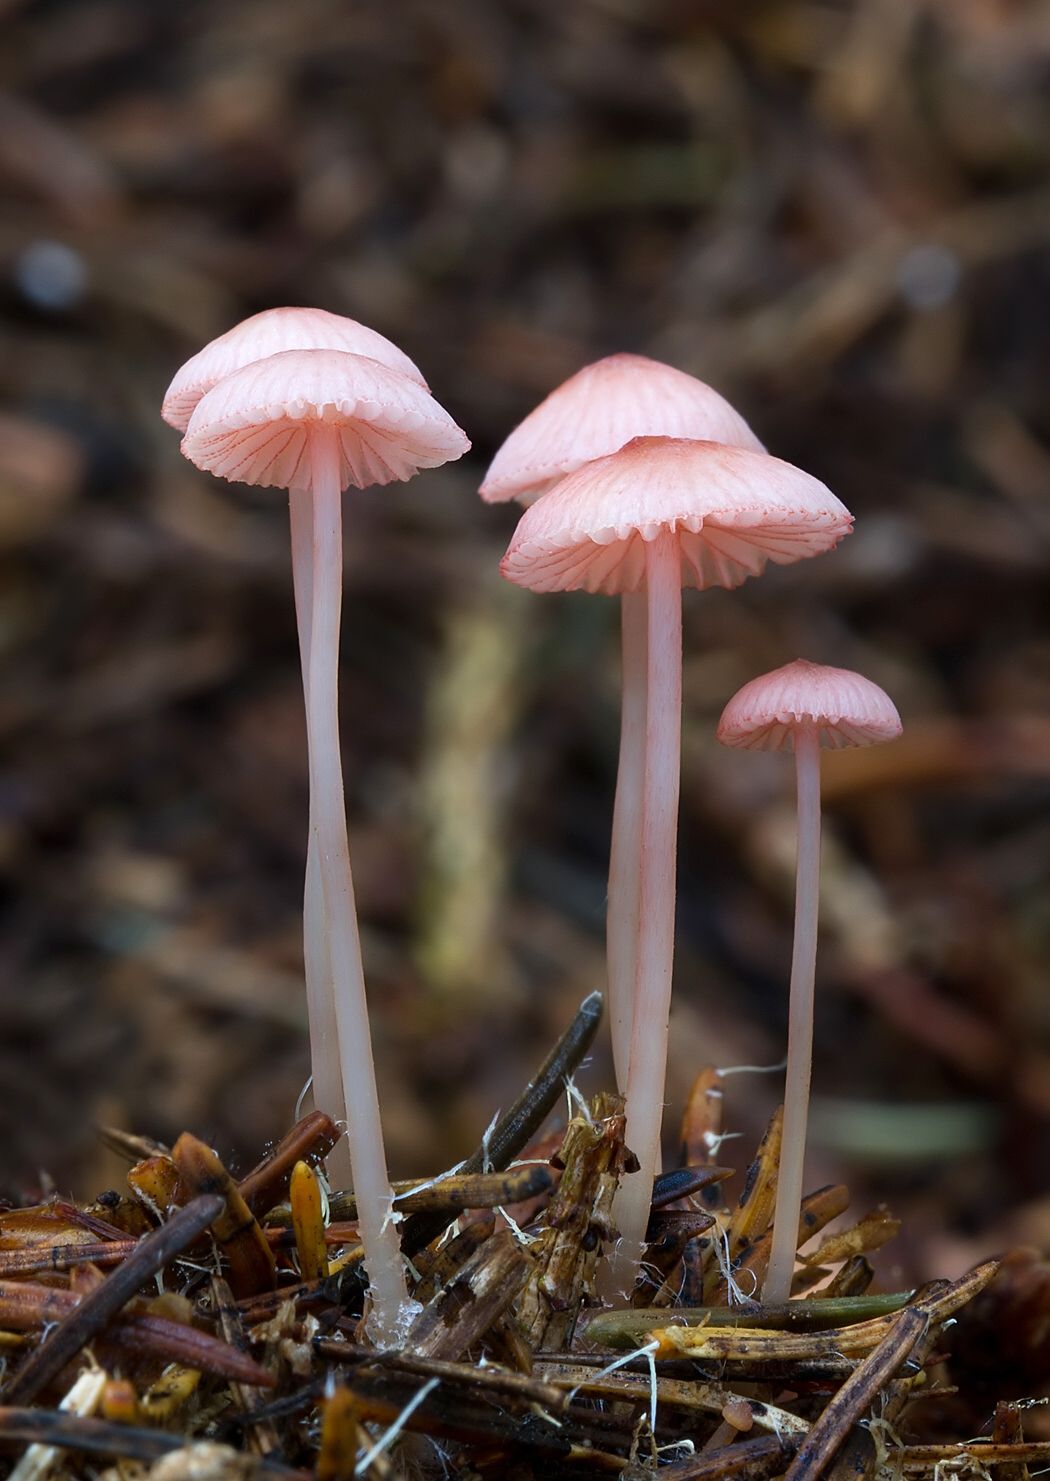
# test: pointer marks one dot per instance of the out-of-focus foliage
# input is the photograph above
(836, 213)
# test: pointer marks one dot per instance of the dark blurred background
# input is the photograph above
(836, 213)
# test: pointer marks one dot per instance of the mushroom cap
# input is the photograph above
(599, 409)
(254, 426)
(848, 709)
(731, 510)
(269, 333)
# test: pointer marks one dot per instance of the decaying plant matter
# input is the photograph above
(196, 1325)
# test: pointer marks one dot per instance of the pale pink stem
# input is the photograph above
(777, 1285)
(379, 1234)
(656, 893)
(320, 997)
(621, 921)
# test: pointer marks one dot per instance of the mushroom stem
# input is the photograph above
(777, 1286)
(320, 999)
(656, 900)
(621, 922)
(379, 1234)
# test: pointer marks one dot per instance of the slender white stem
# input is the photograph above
(379, 1233)
(655, 960)
(621, 921)
(320, 997)
(777, 1285)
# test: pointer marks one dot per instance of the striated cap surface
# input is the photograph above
(848, 709)
(598, 410)
(269, 333)
(730, 510)
(254, 426)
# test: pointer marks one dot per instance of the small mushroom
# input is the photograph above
(660, 514)
(314, 421)
(590, 415)
(801, 707)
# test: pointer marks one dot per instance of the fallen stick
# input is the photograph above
(94, 1311)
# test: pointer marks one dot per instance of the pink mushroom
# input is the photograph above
(660, 514)
(801, 707)
(315, 421)
(263, 334)
(594, 413)
(268, 333)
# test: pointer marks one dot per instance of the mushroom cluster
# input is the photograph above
(638, 481)
(664, 486)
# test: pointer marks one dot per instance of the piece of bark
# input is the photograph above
(566, 1251)
(459, 1315)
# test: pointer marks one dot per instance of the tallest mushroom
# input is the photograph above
(314, 421)
(660, 514)
(253, 339)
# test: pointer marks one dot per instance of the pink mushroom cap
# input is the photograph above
(254, 426)
(267, 334)
(731, 510)
(599, 409)
(848, 709)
